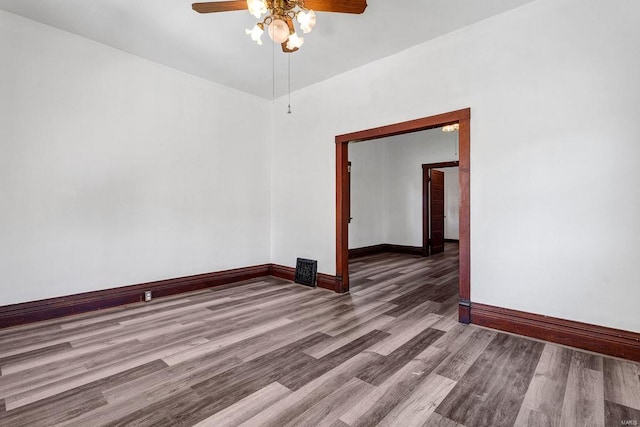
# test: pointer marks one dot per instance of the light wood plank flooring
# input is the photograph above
(270, 352)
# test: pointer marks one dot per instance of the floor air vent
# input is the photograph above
(306, 270)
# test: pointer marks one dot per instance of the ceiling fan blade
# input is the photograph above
(219, 6)
(341, 6)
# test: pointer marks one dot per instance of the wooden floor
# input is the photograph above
(269, 352)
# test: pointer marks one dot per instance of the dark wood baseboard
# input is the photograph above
(34, 311)
(51, 308)
(600, 339)
(324, 281)
(366, 250)
(451, 241)
(386, 247)
(410, 250)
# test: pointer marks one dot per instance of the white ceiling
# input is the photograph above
(215, 47)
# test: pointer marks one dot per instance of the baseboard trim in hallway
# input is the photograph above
(600, 339)
(386, 247)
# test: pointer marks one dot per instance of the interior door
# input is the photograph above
(436, 202)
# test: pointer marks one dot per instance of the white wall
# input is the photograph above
(553, 92)
(386, 186)
(115, 170)
(369, 195)
(451, 203)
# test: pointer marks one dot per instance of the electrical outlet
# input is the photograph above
(147, 296)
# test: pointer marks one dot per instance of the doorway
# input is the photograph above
(460, 117)
(433, 206)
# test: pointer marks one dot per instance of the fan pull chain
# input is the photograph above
(289, 61)
(273, 72)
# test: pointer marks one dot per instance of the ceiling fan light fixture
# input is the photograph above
(256, 33)
(257, 7)
(281, 15)
(278, 31)
(307, 20)
(294, 42)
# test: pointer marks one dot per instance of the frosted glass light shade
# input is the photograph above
(307, 20)
(257, 7)
(294, 42)
(256, 33)
(278, 31)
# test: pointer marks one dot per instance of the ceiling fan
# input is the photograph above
(280, 15)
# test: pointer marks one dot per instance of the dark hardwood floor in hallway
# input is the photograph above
(270, 352)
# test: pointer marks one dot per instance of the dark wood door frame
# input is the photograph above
(426, 176)
(463, 118)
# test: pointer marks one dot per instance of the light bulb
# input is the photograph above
(307, 20)
(294, 42)
(257, 7)
(278, 31)
(256, 33)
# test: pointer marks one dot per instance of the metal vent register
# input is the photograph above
(306, 271)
